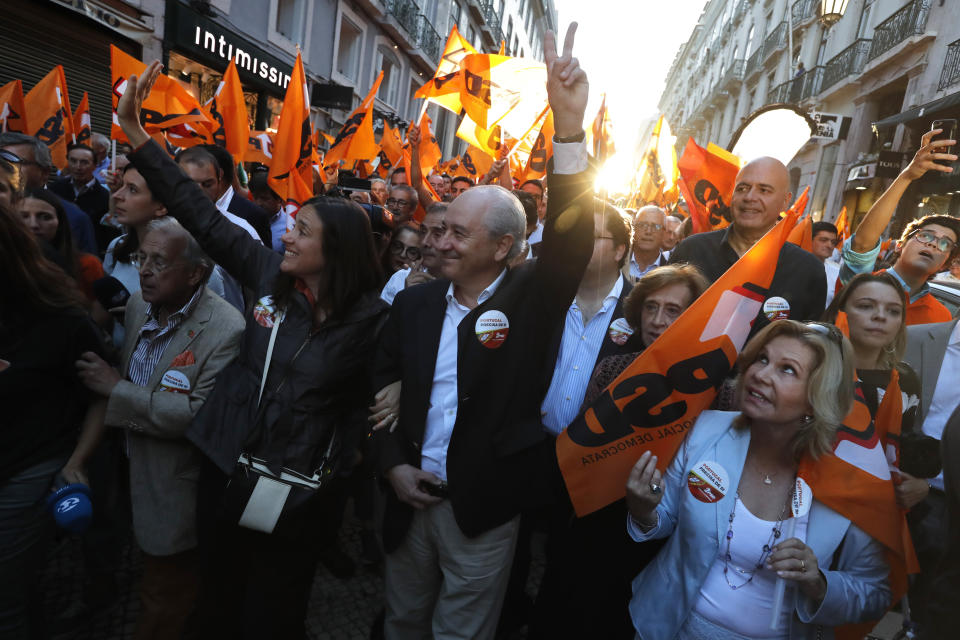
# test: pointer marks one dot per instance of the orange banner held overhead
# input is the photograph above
(356, 140)
(802, 234)
(48, 112)
(391, 150)
(542, 151)
(474, 164)
(654, 402)
(228, 111)
(260, 147)
(13, 113)
(487, 140)
(708, 181)
(657, 176)
(444, 87)
(430, 154)
(168, 104)
(291, 170)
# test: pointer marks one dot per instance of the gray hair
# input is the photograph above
(41, 153)
(192, 253)
(505, 217)
(99, 139)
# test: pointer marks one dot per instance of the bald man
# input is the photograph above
(762, 191)
(648, 229)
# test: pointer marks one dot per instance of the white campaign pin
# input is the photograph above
(265, 312)
(620, 331)
(776, 308)
(175, 381)
(492, 328)
(802, 499)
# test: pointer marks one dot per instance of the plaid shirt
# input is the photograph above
(154, 340)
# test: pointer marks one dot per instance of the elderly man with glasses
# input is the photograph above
(402, 202)
(648, 230)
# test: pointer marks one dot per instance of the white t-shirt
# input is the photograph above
(394, 285)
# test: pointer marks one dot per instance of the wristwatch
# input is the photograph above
(580, 137)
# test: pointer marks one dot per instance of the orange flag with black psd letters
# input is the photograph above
(391, 150)
(228, 110)
(13, 114)
(291, 169)
(708, 178)
(356, 140)
(802, 234)
(655, 401)
(81, 120)
(444, 87)
(48, 112)
(542, 151)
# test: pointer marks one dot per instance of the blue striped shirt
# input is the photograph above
(154, 340)
(575, 362)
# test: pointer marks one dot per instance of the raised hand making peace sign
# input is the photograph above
(567, 86)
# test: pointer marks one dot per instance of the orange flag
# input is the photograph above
(430, 153)
(542, 151)
(444, 87)
(657, 174)
(802, 234)
(601, 129)
(474, 164)
(843, 230)
(81, 120)
(707, 185)
(291, 170)
(228, 111)
(168, 104)
(260, 147)
(391, 149)
(654, 402)
(48, 112)
(355, 140)
(13, 114)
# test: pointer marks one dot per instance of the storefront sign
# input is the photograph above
(862, 172)
(889, 163)
(830, 126)
(107, 16)
(210, 43)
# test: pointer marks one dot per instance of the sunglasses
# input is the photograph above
(943, 243)
(830, 332)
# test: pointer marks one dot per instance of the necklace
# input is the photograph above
(766, 477)
(774, 535)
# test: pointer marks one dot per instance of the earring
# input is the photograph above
(806, 420)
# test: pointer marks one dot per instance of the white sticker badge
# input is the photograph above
(776, 308)
(708, 481)
(492, 328)
(175, 381)
(620, 331)
(802, 499)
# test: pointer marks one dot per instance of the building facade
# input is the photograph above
(344, 45)
(891, 67)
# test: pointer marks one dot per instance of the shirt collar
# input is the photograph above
(656, 263)
(485, 294)
(177, 317)
(924, 289)
(85, 187)
(225, 199)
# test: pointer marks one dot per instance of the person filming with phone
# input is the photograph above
(924, 247)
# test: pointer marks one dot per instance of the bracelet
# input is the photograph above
(580, 137)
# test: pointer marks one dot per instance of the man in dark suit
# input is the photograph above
(82, 189)
(469, 452)
(933, 350)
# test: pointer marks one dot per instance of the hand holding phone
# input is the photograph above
(948, 131)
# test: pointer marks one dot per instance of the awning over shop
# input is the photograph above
(918, 112)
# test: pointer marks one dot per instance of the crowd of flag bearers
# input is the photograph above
(765, 446)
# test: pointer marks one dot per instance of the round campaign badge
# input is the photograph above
(492, 328)
(265, 312)
(776, 308)
(620, 331)
(802, 499)
(708, 481)
(175, 381)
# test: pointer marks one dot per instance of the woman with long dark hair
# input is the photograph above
(43, 330)
(295, 398)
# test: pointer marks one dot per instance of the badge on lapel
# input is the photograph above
(265, 312)
(620, 331)
(708, 481)
(175, 381)
(492, 328)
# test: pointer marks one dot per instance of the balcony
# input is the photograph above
(798, 89)
(776, 41)
(413, 31)
(803, 11)
(753, 63)
(951, 66)
(475, 7)
(743, 8)
(405, 12)
(848, 62)
(733, 74)
(428, 40)
(492, 22)
(910, 20)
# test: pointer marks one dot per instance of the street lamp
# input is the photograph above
(831, 11)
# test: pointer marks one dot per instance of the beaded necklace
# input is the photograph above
(767, 548)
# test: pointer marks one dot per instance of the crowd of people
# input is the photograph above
(224, 377)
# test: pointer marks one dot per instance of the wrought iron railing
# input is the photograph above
(803, 10)
(405, 12)
(776, 40)
(951, 66)
(734, 73)
(428, 39)
(845, 63)
(493, 20)
(910, 20)
(753, 62)
(798, 89)
(743, 8)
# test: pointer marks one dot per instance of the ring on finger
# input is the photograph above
(654, 488)
(803, 566)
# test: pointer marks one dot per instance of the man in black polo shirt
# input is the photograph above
(80, 187)
(762, 191)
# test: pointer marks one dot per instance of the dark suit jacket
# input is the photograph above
(257, 217)
(498, 450)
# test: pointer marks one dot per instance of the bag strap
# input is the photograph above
(266, 362)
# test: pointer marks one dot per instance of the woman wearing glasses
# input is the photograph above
(725, 502)
(403, 252)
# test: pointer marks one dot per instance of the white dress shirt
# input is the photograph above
(832, 269)
(222, 205)
(394, 285)
(442, 414)
(636, 271)
(944, 401)
(575, 361)
(537, 234)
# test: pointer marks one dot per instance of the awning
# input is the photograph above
(918, 112)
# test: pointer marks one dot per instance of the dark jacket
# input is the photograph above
(499, 457)
(318, 381)
(257, 217)
(94, 202)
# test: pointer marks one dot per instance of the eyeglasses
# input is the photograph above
(647, 226)
(140, 261)
(393, 202)
(397, 248)
(929, 238)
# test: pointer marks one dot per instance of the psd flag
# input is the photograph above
(168, 104)
(260, 147)
(47, 107)
(355, 140)
(542, 151)
(843, 227)
(81, 120)
(709, 176)
(13, 114)
(474, 164)
(657, 174)
(391, 149)
(654, 402)
(802, 234)
(602, 133)
(505, 91)
(487, 140)
(444, 87)
(430, 154)
(228, 111)
(291, 170)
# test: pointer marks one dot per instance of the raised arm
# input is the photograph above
(229, 245)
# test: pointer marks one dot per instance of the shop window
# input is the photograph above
(412, 111)
(290, 19)
(349, 49)
(390, 66)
